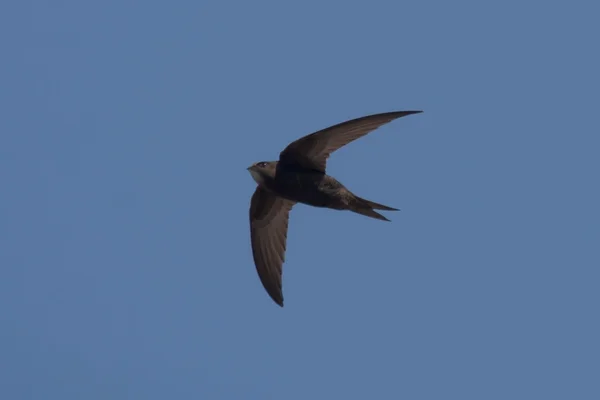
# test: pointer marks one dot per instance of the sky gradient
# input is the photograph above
(126, 268)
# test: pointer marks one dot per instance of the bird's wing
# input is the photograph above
(312, 151)
(268, 231)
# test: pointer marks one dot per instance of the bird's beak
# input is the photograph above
(250, 168)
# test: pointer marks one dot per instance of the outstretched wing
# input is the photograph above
(268, 231)
(312, 151)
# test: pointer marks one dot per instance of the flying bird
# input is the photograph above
(299, 177)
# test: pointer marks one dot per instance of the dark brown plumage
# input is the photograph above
(299, 177)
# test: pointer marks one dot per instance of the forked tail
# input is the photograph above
(367, 207)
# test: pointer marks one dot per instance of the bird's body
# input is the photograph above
(299, 177)
(305, 186)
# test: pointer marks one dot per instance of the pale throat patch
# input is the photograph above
(257, 177)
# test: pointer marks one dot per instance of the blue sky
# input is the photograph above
(126, 269)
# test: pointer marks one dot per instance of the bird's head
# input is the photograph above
(262, 171)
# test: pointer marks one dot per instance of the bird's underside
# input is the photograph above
(312, 188)
(299, 177)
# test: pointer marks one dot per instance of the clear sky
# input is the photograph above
(125, 264)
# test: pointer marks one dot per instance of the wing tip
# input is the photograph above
(278, 301)
(410, 112)
(276, 295)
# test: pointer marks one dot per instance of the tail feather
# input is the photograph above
(367, 207)
(375, 206)
(370, 213)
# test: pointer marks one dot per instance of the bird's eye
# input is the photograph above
(262, 164)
